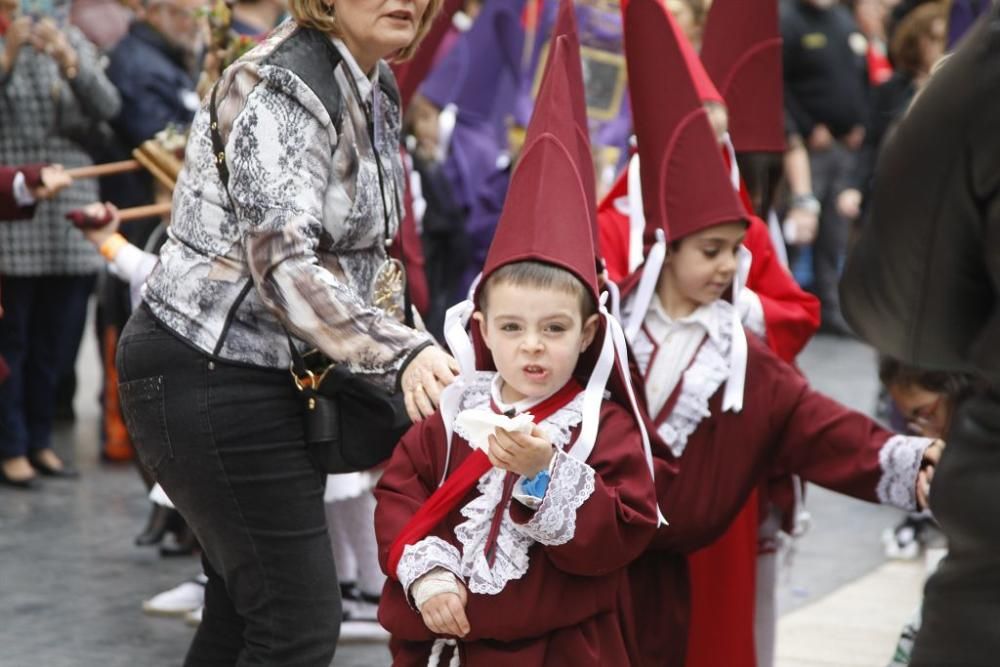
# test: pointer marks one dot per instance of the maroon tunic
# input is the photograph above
(784, 427)
(563, 609)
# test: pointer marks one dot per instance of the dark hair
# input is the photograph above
(954, 385)
(539, 275)
(917, 24)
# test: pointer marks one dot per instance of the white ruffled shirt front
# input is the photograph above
(677, 342)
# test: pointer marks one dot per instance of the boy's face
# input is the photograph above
(536, 336)
(702, 267)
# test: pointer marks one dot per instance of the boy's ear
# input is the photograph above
(590, 330)
(480, 320)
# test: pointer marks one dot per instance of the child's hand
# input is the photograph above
(930, 460)
(526, 455)
(444, 614)
(98, 212)
(54, 178)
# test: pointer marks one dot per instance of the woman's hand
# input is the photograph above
(423, 380)
(520, 453)
(16, 36)
(47, 38)
(444, 614)
(932, 455)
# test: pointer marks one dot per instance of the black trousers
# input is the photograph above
(39, 338)
(226, 443)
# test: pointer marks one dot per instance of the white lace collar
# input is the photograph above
(496, 393)
(558, 427)
(707, 317)
(511, 557)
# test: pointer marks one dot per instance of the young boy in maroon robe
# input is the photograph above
(525, 564)
(695, 360)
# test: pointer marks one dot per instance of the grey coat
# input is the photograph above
(40, 115)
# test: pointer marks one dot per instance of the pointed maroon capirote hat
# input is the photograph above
(411, 73)
(549, 213)
(704, 84)
(742, 52)
(685, 183)
(565, 26)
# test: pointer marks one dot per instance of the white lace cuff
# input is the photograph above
(427, 554)
(554, 523)
(900, 459)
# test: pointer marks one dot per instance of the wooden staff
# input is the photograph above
(97, 170)
(140, 212)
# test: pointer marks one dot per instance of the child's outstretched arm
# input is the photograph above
(599, 515)
(846, 451)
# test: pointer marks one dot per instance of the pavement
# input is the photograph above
(72, 583)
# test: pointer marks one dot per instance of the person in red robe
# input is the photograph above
(741, 52)
(694, 360)
(526, 565)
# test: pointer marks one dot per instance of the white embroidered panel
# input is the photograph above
(510, 553)
(702, 379)
(900, 459)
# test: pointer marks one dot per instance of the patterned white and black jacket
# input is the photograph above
(301, 236)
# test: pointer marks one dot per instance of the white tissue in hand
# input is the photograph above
(478, 425)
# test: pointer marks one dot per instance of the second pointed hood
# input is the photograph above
(685, 184)
(742, 53)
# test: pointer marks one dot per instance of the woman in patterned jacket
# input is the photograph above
(284, 227)
(52, 92)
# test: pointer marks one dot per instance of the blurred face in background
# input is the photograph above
(178, 21)
(871, 15)
(690, 18)
(932, 44)
(927, 412)
(8, 11)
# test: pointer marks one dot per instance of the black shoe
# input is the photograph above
(159, 522)
(184, 543)
(27, 484)
(48, 471)
(834, 324)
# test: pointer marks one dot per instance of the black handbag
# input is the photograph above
(350, 424)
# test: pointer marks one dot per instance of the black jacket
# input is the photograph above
(825, 68)
(922, 282)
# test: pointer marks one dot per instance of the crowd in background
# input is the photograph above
(95, 80)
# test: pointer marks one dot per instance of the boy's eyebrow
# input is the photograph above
(513, 316)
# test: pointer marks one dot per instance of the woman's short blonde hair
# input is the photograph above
(319, 14)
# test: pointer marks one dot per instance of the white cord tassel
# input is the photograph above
(435, 658)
